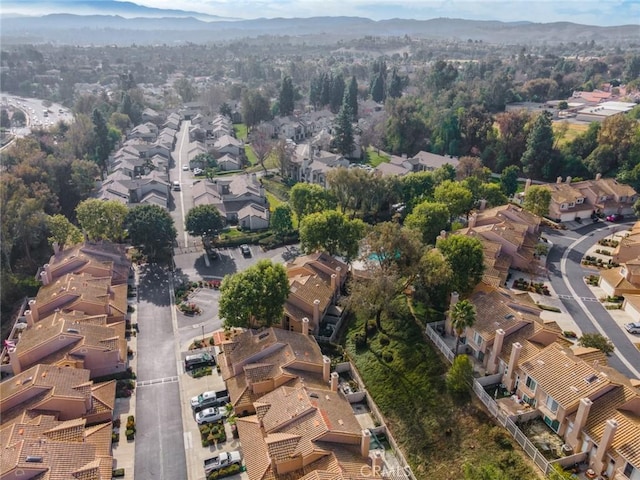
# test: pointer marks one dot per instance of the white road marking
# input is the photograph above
(188, 441)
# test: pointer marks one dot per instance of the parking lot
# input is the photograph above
(196, 453)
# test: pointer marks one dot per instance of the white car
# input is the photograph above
(185, 168)
(632, 327)
(209, 415)
(198, 171)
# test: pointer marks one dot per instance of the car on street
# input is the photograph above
(198, 171)
(616, 217)
(632, 327)
(209, 415)
(246, 251)
(185, 168)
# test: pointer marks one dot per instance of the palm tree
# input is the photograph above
(463, 315)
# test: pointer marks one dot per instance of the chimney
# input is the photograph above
(573, 439)
(333, 282)
(305, 326)
(316, 313)
(598, 176)
(568, 179)
(334, 381)
(455, 296)
(326, 368)
(527, 184)
(376, 463)
(492, 367)
(599, 460)
(56, 248)
(44, 278)
(14, 360)
(559, 180)
(33, 308)
(483, 204)
(472, 220)
(365, 442)
(339, 275)
(510, 381)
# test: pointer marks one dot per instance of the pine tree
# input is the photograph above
(286, 97)
(325, 92)
(102, 143)
(337, 93)
(351, 97)
(344, 131)
(377, 88)
(395, 85)
(539, 146)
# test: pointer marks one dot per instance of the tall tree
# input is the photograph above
(460, 379)
(151, 228)
(102, 220)
(254, 297)
(286, 98)
(102, 146)
(261, 145)
(509, 180)
(204, 221)
(185, 89)
(406, 131)
(457, 198)
(332, 232)
(283, 153)
(396, 84)
(377, 89)
(337, 93)
(307, 198)
(428, 218)
(351, 97)
(63, 232)
(255, 108)
(539, 147)
(281, 221)
(537, 200)
(463, 316)
(466, 257)
(512, 142)
(343, 129)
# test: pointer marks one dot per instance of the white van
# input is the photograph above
(176, 185)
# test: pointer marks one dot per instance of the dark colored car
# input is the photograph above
(616, 217)
(246, 251)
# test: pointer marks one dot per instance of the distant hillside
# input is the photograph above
(115, 29)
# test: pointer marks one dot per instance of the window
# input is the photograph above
(571, 205)
(553, 424)
(629, 469)
(579, 200)
(529, 400)
(551, 404)
(531, 384)
(477, 339)
(563, 206)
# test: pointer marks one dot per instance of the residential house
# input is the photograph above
(150, 115)
(151, 189)
(231, 194)
(228, 144)
(147, 132)
(628, 247)
(196, 149)
(254, 217)
(67, 393)
(44, 447)
(99, 259)
(257, 362)
(572, 200)
(80, 292)
(228, 162)
(304, 432)
(315, 283)
(173, 121)
(427, 161)
(72, 339)
(623, 280)
(312, 165)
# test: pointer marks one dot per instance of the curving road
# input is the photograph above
(567, 278)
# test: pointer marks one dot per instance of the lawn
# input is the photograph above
(437, 433)
(250, 155)
(274, 201)
(374, 158)
(241, 131)
(574, 130)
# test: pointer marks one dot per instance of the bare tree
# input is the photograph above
(283, 152)
(261, 145)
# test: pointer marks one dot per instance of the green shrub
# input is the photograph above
(549, 308)
(371, 328)
(202, 372)
(115, 437)
(570, 334)
(360, 340)
(502, 439)
(224, 472)
(387, 356)
(384, 340)
(130, 434)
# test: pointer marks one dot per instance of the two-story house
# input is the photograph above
(311, 165)
(228, 144)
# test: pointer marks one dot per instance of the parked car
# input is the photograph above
(209, 399)
(185, 168)
(632, 327)
(198, 360)
(210, 415)
(198, 171)
(221, 461)
(246, 251)
(616, 217)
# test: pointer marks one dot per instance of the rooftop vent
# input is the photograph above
(591, 378)
(263, 335)
(314, 395)
(33, 459)
(72, 330)
(509, 316)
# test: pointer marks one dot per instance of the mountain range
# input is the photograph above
(125, 23)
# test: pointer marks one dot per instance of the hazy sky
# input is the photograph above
(604, 12)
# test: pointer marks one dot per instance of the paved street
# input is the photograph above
(160, 442)
(566, 276)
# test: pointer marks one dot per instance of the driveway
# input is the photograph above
(159, 443)
(567, 277)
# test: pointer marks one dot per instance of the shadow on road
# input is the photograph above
(221, 266)
(154, 285)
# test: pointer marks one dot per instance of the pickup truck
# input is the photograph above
(210, 399)
(223, 460)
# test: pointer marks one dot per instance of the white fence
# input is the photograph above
(502, 418)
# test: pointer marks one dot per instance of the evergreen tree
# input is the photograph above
(344, 131)
(102, 144)
(539, 146)
(325, 91)
(315, 91)
(351, 97)
(286, 98)
(377, 88)
(337, 93)
(126, 105)
(395, 85)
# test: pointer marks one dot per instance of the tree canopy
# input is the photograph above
(102, 220)
(63, 232)
(428, 218)
(332, 232)
(307, 198)
(204, 221)
(466, 257)
(254, 297)
(281, 221)
(537, 200)
(151, 228)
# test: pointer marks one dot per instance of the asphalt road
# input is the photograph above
(159, 442)
(566, 275)
(34, 110)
